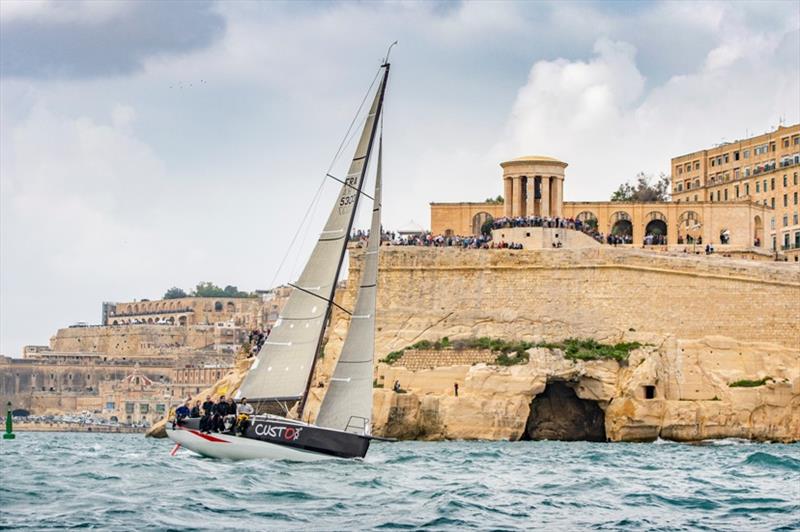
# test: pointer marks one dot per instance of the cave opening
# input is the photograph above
(559, 414)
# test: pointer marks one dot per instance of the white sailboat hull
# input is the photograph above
(226, 446)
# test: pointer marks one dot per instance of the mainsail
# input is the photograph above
(282, 369)
(348, 403)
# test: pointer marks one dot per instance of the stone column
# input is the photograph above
(516, 208)
(545, 210)
(507, 197)
(529, 210)
(558, 197)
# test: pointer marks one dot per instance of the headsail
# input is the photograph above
(348, 402)
(282, 369)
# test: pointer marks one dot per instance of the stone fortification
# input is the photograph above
(139, 340)
(598, 293)
(705, 323)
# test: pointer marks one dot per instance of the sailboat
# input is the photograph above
(280, 376)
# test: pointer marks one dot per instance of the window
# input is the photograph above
(786, 142)
(758, 187)
(765, 185)
(761, 150)
(746, 154)
(129, 408)
(712, 161)
(772, 202)
(697, 165)
(726, 194)
(772, 183)
(786, 200)
(680, 170)
(747, 189)
(725, 158)
(785, 240)
(688, 166)
(736, 190)
(795, 178)
(795, 198)
(161, 408)
(649, 392)
(794, 219)
(796, 140)
(736, 173)
(785, 180)
(736, 156)
(110, 405)
(695, 197)
(785, 220)
(747, 172)
(772, 224)
(144, 408)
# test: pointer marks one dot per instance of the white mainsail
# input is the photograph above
(348, 402)
(282, 369)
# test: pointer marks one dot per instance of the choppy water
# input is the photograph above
(126, 482)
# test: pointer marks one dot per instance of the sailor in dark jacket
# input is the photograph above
(220, 411)
(182, 412)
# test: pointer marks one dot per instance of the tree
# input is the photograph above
(643, 190)
(209, 289)
(495, 201)
(175, 293)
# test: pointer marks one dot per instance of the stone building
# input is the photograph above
(242, 311)
(763, 169)
(135, 399)
(534, 186)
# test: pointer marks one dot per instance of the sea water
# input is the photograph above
(127, 482)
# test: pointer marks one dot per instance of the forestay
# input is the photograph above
(282, 369)
(348, 402)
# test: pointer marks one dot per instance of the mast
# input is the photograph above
(379, 108)
(283, 369)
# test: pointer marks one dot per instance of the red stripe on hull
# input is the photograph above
(208, 437)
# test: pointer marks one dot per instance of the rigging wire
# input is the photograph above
(348, 136)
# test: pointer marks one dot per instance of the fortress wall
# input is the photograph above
(429, 293)
(129, 340)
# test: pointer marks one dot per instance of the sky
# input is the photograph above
(145, 145)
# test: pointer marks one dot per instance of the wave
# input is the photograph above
(762, 459)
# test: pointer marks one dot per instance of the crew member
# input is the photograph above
(182, 412)
(243, 413)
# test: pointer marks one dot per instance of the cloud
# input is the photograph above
(602, 117)
(83, 39)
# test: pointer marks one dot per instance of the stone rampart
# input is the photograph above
(131, 340)
(603, 293)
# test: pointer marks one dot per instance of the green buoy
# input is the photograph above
(9, 433)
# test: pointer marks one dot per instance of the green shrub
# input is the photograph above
(393, 357)
(746, 383)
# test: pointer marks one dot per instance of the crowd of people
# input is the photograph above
(256, 340)
(224, 415)
(426, 239)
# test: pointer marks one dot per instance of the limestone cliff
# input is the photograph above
(679, 390)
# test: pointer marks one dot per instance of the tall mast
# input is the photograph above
(357, 196)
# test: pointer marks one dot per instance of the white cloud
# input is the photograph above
(56, 11)
(597, 115)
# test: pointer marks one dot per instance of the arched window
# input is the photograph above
(689, 228)
(217, 306)
(230, 307)
(479, 221)
(588, 218)
(656, 224)
(621, 224)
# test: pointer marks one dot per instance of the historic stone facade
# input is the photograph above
(763, 169)
(534, 187)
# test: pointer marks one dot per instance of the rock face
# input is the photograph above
(672, 389)
(559, 414)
